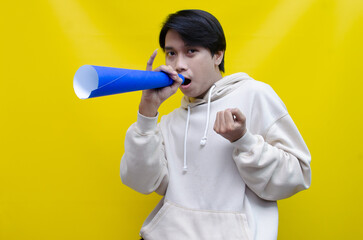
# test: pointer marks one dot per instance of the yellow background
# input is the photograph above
(59, 156)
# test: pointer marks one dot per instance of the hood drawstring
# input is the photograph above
(203, 141)
(185, 140)
(221, 88)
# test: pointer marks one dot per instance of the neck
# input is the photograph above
(216, 77)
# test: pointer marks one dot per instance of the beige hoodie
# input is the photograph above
(215, 189)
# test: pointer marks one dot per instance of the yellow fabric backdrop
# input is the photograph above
(59, 156)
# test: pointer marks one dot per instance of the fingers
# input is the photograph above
(172, 74)
(229, 117)
(149, 64)
(237, 115)
(231, 124)
(224, 121)
(168, 70)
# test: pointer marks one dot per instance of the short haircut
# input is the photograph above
(196, 28)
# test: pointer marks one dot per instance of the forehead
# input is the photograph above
(174, 40)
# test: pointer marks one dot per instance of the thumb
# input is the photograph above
(238, 115)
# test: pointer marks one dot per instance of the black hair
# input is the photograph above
(196, 28)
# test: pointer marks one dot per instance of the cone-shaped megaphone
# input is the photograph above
(96, 81)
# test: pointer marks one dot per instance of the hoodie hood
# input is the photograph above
(222, 87)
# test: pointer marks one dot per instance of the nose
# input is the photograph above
(181, 64)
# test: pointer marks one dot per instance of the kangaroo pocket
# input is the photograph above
(174, 222)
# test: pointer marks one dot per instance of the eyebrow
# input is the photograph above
(168, 48)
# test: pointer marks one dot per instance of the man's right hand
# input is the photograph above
(151, 99)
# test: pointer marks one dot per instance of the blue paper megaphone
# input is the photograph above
(96, 81)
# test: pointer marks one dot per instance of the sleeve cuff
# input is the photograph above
(146, 124)
(246, 143)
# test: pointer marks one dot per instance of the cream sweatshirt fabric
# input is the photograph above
(228, 190)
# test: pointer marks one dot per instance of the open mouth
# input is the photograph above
(187, 81)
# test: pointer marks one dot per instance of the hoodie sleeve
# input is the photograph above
(143, 165)
(276, 167)
(274, 162)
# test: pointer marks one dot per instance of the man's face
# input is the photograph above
(196, 64)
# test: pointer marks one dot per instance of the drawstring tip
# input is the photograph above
(185, 169)
(203, 141)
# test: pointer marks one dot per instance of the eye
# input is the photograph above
(170, 53)
(191, 51)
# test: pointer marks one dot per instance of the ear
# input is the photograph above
(218, 56)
